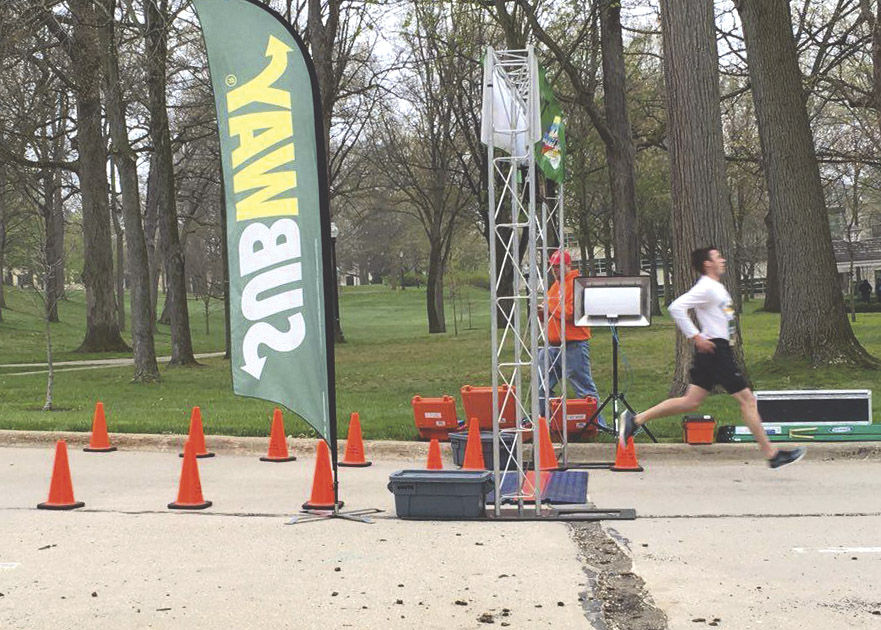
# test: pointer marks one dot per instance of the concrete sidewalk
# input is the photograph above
(87, 364)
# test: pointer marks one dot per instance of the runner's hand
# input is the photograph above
(704, 345)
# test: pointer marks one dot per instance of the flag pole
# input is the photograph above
(327, 265)
(329, 274)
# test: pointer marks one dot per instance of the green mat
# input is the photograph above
(833, 433)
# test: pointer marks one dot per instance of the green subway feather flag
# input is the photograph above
(277, 219)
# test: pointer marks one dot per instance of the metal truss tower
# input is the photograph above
(519, 248)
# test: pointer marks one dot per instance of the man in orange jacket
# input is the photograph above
(577, 337)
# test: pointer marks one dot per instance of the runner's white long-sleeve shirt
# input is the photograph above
(712, 305)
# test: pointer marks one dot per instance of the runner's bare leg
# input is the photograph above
(692, 399)
(749, 411)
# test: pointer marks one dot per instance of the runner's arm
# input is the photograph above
(680, 307)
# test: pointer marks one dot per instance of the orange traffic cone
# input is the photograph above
(546, 447)
(354, 456)
(61, 487)
(473, 448)
(625, 458)
(528, 488)
(278, 446)
(189, 493)
(322, 483)
(197, 435)
(100, 441)
(434, 456)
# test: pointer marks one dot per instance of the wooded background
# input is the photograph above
(744, 124)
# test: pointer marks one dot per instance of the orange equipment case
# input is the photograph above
(578, 414)
(698, 429)
(435, 417)
(478, 403)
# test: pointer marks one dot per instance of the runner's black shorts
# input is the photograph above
(717, 368)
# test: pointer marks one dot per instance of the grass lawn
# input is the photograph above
(388, 358)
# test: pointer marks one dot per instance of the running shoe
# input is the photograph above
(626, 427)
(784, 457)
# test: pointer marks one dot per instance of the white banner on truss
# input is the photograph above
(506, 114)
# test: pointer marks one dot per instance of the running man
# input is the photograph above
(713, 360)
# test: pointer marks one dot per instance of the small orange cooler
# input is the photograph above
(579, 411)
(698, 429)
(478, 403)
(435, 417)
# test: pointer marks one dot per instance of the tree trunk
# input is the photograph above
(145, 369)
(752, 280)
(50, 376)
(2, 244)
(587, 246)
(620, 152)
(772, 282)
(56, 215)
(322, 39)
(102, 329)
(607, 247)
(701, 205)
(668, 279)
(165, 315)
(813, 324)
(120, 252)
(56, 219)
(151, 236)
(52, 249)
(434, 295)
(157, 50)
(653, 272)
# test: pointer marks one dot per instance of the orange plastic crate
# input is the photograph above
(579, 411)
(435, 417)
(698, 429)
(478, 403)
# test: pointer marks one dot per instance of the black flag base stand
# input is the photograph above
(359, 516)
(309, 513)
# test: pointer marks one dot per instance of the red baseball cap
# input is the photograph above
(555, 258)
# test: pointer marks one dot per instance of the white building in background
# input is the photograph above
(866, 256)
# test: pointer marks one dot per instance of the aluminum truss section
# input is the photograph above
(510, 84)
(551, 237)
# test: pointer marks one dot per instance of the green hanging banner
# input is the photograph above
(277, 217)
(550, 151)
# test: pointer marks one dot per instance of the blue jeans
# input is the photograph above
(577, 371)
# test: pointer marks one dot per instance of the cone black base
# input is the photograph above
(199, 455)
(189, 506)
(363, 465)
(60, 506)
(325, 507)
(637, 469)
(278, 459)
(109, 449)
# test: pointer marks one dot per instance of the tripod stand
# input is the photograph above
(615, 397)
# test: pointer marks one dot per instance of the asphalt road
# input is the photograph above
(719, 542)
(736, 542)
(125, 561)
